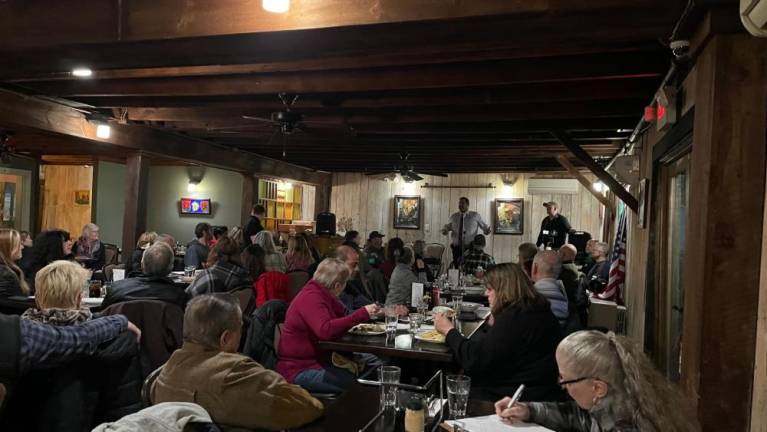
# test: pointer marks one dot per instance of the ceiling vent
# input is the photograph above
(552, 186)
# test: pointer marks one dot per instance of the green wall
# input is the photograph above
(167, 185)
(110, 201)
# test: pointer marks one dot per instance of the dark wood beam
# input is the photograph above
(566, 164)
(500, 72)
(30, 112)
(168, 19)
(134, 219)
(596, 169)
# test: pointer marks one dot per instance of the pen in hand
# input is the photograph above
(517, 395)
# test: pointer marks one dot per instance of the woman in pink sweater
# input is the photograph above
(316, 314)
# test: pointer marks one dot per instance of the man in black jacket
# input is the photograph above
(253, 226)
(197, 250)
(153, 284)
(554, 227)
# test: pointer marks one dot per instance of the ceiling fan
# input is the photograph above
(405, 170)
(288, 122)
(7, 149)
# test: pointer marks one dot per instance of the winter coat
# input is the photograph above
(260, 344)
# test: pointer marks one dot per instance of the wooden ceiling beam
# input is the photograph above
(29, 112)
(138, 20)
(502, 72)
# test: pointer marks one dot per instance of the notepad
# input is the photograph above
(492, 423)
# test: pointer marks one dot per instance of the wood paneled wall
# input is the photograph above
(58, 201)
(369, 203)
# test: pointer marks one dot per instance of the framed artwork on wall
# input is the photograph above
(407, 212)
(642, 198)
(82, 197)
(509, 216)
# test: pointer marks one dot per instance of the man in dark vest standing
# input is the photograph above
(554, 228)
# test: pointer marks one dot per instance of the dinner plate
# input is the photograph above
(368, 329)
(467, 306)
(431, 336)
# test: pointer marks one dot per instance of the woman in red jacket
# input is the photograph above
(316, 314)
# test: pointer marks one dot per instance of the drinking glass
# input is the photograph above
(388, 375)
(390, 312)
(415, 322)
(458, 387)
(189, 271)
(457, 301)
(105, 288)
(85, 290)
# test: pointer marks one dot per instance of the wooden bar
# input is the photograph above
(565, 162)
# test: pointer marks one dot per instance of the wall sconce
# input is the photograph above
(600, 187)
(276, 6)
(195, 174)
(103, 130)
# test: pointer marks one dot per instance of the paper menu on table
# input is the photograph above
(417, 294)
(492, 423)
(453, 276)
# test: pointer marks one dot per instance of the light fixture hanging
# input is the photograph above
(103, 131)
(276, 6)
(82, 72)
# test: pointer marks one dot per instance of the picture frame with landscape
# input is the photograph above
(509, 216)
(407, 212)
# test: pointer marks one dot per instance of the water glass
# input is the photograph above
(189, 271)
(85, 290)
(390, 312)
(457, 301)
(458, 387)
(106, 288)
(388, 375)
(415, 322)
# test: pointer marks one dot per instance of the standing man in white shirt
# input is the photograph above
(464, 225)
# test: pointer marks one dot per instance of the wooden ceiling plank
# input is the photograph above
(34, 113)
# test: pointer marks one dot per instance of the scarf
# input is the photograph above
(58, 317)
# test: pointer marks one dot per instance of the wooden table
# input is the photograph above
(384, 345)
(357, 406)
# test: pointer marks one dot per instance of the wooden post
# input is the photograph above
(249, 196)
(724, 230)
(597, 169)
(134, 222)
(759, 399)
(322, 200)
(565, 162)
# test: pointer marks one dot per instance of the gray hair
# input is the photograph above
(602, 247)
(157, 260)
(637, 392)
(548, 262)
(207, 317)
(332, 271)
(407, 256)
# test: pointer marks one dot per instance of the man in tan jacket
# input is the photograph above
(235, 390)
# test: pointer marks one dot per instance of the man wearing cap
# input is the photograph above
(374, 249)
(554, 227)
(476, 256)
(464, 225)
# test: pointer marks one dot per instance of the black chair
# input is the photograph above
(579, 240)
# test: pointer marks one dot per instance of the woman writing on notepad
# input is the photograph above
(518, 348)
(614, 386)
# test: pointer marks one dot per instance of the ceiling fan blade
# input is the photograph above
(246, 126)
(373, 173)
(413, 175)
(261, 119)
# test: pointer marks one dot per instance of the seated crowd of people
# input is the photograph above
(81, 369)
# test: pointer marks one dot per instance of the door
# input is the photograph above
(671, 233)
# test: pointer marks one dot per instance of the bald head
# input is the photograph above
(568, 252)
(547, 264)
(349, 256)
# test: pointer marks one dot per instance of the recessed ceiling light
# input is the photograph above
(276, 6)
(103, 131)
(82, 72)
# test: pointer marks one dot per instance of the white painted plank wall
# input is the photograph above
(369, 202)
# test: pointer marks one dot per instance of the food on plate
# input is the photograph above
(431, 336)
(369, 328)
(444, 310)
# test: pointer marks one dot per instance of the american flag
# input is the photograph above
(614, 289)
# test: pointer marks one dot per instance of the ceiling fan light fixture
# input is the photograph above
(276, 6)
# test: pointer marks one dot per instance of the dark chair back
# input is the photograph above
(111, 254)
(146, 389)
(246, 297)
(162, 328)
(261, 345)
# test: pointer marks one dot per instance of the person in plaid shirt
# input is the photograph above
(224, 271)
(476, 256)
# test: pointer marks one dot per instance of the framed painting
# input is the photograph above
(407, 212)
(509, 216)
(195, 206)
(82, 197)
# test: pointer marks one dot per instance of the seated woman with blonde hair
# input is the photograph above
(615, 389)
(12, 282)
(58, 294)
